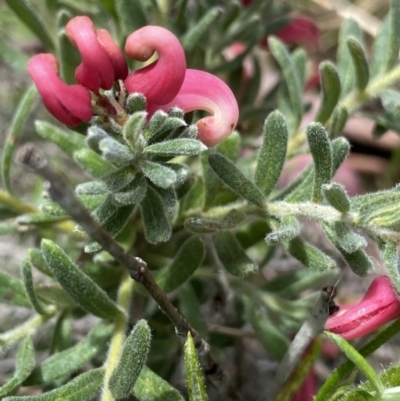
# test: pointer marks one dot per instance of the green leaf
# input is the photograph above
(339, 120)
(66, 140)
(93, 163)
(199, 225)
(358, 260)
(290, 75)
(271, 338)
(62, 333)
(330, 87)
(25, 362)
(235, 179)
(189, 258)
(131, 16)
(321, 151)
(358, 361)
(176, 147)
(12, 291)
(360, 63)
(83, 387)
(115, 152)
(232, 256)
(118, 180)
(14, 132)
(133, 358)
(308, 255)
(55, 294)
(387, 43)
(77, 284)
(336, 196)
(197, 32)
(159, 174)
(151, 387)
(133, 131)
(38, 262)
(272, 153)
(30, 290)
(25, 11)
(288, 228)
(194, 377)
(156, 225)
(70, 360)
(349, 28)
(133, 193)
(390, 258)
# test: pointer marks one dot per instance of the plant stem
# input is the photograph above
(351, 102)
(117, 341)
(15, 204)
(61, 192)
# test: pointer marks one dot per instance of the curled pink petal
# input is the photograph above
(379, 306)
(98, 58)
(70, 104)
(161, 80)
(204, 91)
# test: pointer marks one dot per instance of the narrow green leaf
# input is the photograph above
(39, 219)
(133, 358)
(62, 335)
(25, 362)
(346, 70)
(156, 225)
(358, 260)
(288, 228)
(176, 147)
(77, 284)
(13, 57)
(25, 11)
(290, 75)
(115, 152)
(272, 339)
(12, 291)
(339, 120)
(189, 258)
(68, 361)
(308, 255)
(194, 376)
(360, 63)
(38, 262)
(133, 193)
(68, 141)
(272, 153)
(55, 294)
(159, 174)
(131, 15)
(330, 87)
(118, 180)
(14, 131)
(133, 131)
(358, 361)
(235, 179)
(83, 387)
(200, 225)
(196, 33)
(348, 240)
(390, 257)
(30, 290)
(232, 256)
(151, 387)
(337, 196)
(93, 163)
(321, 151)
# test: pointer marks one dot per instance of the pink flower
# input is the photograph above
(70, 104)
(161, 80)
(307, 390)
(204, 91)
(379, 306)
(102, 61)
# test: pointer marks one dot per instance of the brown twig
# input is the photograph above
(61, 192)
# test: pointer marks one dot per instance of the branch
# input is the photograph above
(61, 192)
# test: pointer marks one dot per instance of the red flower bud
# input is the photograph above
(161, 80)
(102, 61)
(204, 91)
(70, 104)
(379, 306)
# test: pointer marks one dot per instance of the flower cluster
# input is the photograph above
(379, 306)
(166, 82)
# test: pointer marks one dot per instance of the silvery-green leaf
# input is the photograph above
(337, 196)
(158, 174)
(93, 163)
(12, 291)
(176, 147)
(360, 63)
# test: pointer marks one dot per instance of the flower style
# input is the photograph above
(379, 305)
(204, 91)
(161, 80)
(165, 82)
(102, 61)
(70, 104)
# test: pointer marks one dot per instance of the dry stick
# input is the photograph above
(63, 194)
